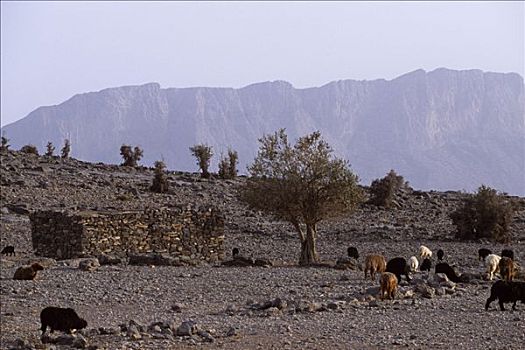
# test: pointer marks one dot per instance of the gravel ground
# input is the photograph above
(280, 307)
(219, 299)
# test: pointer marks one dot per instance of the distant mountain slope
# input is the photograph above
(443, 129)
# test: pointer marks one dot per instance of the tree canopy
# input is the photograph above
(302, 184)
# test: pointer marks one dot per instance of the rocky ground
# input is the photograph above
(285, 306)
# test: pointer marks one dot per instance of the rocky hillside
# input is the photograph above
(212, 307)
(445, 129)
(30, 183)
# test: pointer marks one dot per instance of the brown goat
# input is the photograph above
(388, 285)
(27, 272)
(506, 268)
(374, 263)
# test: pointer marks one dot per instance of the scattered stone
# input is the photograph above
(425, 290)
(187, 328)
(90, 264)
(80, 342)
(177, 307)
(232, 331)
(347, 263)
(106, 259)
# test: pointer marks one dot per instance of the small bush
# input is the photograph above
(4, 146)
(383, 190)
(29, 149)
(228, 166)
(160, 181)
(66, 149)
(203, 153)
(485, 214)
(50, 149)
(131, 156)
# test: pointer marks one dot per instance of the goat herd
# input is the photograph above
(505, 290)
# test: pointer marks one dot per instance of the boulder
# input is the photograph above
(89, 264)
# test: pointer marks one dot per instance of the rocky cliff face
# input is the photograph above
(443, 129)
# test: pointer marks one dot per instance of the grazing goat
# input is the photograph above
(388, 285)
(426, 265)
(413, 264)
(507, 253)
(352, 252)
(506, 268)
(374, 263)
(492, 264)
(424, 252)
(448, 271)
(235, 252)
(8, 250)
(483, 253)
(60, 319)
(27, 272)
(440, 254)
(398, 266)
(506, 292)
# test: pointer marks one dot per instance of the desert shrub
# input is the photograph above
(4, 146)
(160, 180)
(29, 149)
(383, 190)
(130, 155)
(203, 153)
(50, 149)
(66, 149)
(485, 214)
(228, 165)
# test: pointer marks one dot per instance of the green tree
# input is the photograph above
(4, 146)
(160, 180)
(485, 214)
(203, 153)
(383, 190)
(131, 155)
(50, 149)
(302, 184)
(66, 149)
(228, 166)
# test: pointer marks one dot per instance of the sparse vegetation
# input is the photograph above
(4, 146)
(130, 155)
(203, 153)
(383, 190)
(50, 149)
(302, 184)
(29, 149)
(485, 214)
(66, 149)
(228, 166)
(160, 181)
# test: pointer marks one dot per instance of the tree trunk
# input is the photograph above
(308, 247)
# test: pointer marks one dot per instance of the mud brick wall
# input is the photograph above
(189, 234)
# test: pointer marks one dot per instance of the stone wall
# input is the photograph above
(189, 234)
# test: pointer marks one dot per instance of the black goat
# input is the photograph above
(448, 271)
(483, 253)
(60, 319)
(352, 252)
(398, 266)
(506, 292)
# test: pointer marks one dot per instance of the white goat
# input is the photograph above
(413, 264)
(492, 264)
(424, 252)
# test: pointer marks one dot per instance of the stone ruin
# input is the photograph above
(186, 234)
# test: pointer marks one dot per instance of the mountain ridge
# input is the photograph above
(441, 129)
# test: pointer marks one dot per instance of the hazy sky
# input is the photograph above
(53, 50)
